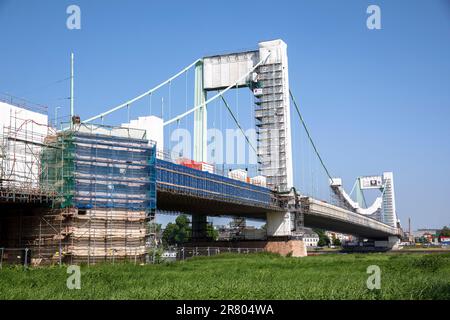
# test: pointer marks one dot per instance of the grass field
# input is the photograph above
(228, 276)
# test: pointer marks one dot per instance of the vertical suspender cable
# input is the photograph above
(309, 135)
(237, 123)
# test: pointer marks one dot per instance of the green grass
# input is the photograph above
(230, 276)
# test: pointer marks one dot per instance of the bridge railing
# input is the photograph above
(313, 206)
(185, 180)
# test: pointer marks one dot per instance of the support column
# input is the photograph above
(199, 226)
(279, 224)
(200, 116)
(280, 238)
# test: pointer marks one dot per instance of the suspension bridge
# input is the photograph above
(286, 208)
(107, 182)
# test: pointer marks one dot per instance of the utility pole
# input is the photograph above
(56, 117)
(71, 90)
(409, 226)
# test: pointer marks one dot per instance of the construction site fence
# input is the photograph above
(184, 253)
(27, 257)
(24, 256)
(15, 256)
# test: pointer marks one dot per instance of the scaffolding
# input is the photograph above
(55, 236)
(86, 194)
(271, 126)
(105, 178)
(22, 139)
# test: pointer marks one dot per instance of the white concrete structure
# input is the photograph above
(238, 174)
(383, 208)
(259, 181)
(154, 129)
(279, 224)
(223, 70)
(389, 211)
(23, 132)
(273, 118)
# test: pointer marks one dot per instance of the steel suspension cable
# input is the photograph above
(237, 123)
(309, 135)
(149, 92)
(219, 94)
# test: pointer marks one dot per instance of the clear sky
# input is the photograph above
(375, 100)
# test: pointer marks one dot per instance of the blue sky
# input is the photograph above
(375, 100)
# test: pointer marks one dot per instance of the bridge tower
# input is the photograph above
(270, 84)
(383, 208)
(273, 119)
(388, 209)
(200, 116)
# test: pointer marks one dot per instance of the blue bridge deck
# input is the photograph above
(189, 190)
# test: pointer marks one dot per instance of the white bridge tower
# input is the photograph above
(270, 85)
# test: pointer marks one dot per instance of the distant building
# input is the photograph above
(341, 236)
(427, 237)
(421, 232)
(310, 238)
(244, 233)
(252, 233)
(444, 240)
(224, 233)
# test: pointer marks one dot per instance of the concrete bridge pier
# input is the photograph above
(390, 242)
(280, 236)
(199, 227)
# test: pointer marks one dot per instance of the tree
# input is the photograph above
(336, 242)
(211, 232)
(324, 240)
(178, 232)
(154, 227)
(445, 232)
